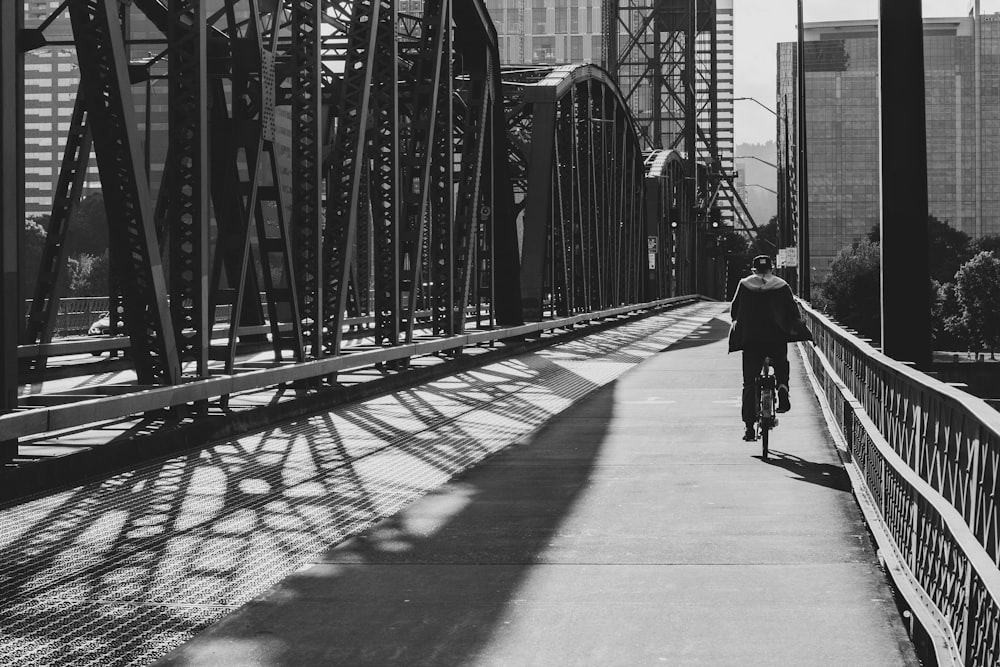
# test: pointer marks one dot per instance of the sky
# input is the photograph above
(758, 25)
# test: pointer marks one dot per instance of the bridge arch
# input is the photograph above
(583, 219)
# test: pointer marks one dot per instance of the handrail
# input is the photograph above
(928, 456)
(146, 399)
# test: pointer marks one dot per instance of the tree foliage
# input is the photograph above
(977, 284)
(988, 243)
(948, 330)
(30, 254)
(949, 248)
(86, 270)
(852, 292)
(88, 275)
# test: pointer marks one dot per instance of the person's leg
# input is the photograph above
(752, 362)
(779, 359)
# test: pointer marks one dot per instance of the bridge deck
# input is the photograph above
(627, 525)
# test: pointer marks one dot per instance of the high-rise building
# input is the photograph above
(724, 90)
(547, 32)
(962, 91)
(51, 83)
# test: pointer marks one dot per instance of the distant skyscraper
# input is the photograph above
(962, 85)
(724, 87)
(547, 32)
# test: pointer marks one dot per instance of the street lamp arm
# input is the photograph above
(758, 103)
(754, 157)
(762, 187)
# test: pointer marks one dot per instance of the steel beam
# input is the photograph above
(346, 162)
(11, 207)
(134, 249)
(387, 179)
(307, 169)
(187, 208)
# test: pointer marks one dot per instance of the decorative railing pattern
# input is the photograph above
(928, 455)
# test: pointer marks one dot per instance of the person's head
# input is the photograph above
(762, 265)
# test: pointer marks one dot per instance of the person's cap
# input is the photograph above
(762, 264)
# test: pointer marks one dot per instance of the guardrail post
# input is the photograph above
(847, 426)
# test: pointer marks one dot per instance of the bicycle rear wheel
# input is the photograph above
(764, 430)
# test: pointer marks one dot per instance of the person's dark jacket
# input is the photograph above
(764, 313)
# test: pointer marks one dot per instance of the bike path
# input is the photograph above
(634, 528)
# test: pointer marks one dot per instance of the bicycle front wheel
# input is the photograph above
(764, 431)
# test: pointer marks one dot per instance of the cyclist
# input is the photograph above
(765, 320)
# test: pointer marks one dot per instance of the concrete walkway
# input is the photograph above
(635, 528)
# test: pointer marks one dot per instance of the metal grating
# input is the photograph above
(120, 571)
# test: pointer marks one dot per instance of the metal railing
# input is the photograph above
(928, 457)
(146, 399)
(77, 313)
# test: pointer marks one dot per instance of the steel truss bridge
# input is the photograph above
(354, 186)
(340, 177)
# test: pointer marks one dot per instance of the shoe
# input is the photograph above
(750, 434)
(783, 404)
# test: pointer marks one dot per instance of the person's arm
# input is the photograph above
(734, 308)
(790, 307)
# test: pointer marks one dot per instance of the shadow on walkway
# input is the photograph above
(824, 474)
(399, 594)
(715, 330)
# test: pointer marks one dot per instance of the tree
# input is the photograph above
(88, 230)
(990, 242)
(30, 254)
(88, 275)
(949, 248)
(978, 286)
(948, 329)
(766, 242)
(852, 292)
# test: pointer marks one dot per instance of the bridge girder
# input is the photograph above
(329, 161)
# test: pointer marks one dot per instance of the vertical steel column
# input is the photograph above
(470, 188)
(187, 208)
(538, 207)
(438, 244)
(609, 45)
(804, 272)
(11, 205)
(386, 179)
(346, 162)
(135, 255)
(506, 295)
(307, 170)
(429, 89)
(562, 223)
(906, 332)
(690, 143)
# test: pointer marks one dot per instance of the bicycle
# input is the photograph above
(766, 391)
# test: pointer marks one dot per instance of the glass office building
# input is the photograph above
(962, 88)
